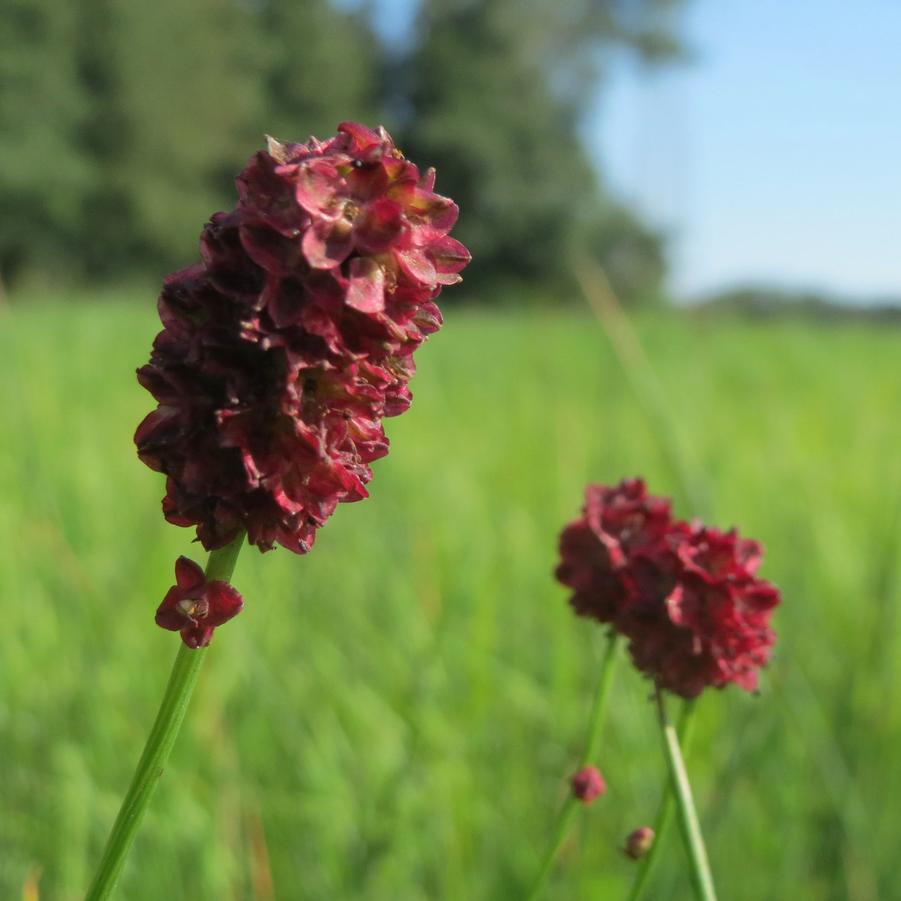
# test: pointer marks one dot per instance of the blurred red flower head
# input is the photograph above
(282, 351)
(686, 596)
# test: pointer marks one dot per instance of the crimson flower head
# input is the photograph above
(588, 784)
(195, 607)
(285, 347)
(686, 596)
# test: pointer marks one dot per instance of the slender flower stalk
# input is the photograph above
(220, 566)
(684, 468)
(648, 863)
(688, 599)
(679, 457)
(281, 352)
(568, 811)
(701, 877)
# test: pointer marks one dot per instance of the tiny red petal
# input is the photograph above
(188, 575)
(315, 186)
(367, 182)
(197, 636)
(363, 138)
(225, 602)
(366, 289)
(417, 266)
(167, 615)
(379, 226)
(449, 256)
(427, 182)
(326, 245)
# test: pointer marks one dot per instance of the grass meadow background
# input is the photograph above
(394, 715)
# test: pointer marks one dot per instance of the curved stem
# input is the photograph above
(701, 876)
(648, 864)
(571, 805)
(182, 680)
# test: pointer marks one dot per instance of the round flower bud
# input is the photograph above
(587, 784)
(639, 842)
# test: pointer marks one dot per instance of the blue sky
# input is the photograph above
(774, 156)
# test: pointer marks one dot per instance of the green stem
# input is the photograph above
(701, 876)
(182, 680)
(648, 863)
(571, 805)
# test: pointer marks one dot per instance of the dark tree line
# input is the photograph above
(122, 124)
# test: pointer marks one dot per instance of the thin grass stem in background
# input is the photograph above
(570, 807)
(220, 567)
(644, 382)
(677, 455)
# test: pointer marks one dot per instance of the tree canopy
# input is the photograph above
(122, 124)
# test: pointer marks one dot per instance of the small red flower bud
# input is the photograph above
(639, 842)
(194, 607)
(588, 784)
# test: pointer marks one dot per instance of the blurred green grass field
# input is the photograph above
(394, 715)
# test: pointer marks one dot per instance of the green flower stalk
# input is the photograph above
(281, 353)
(687, 598)
(585, 784)
(692, 838)
(220, 567)
(648, 861)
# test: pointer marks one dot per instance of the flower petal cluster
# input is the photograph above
(685, 595)
(196, 607)
(283, 350)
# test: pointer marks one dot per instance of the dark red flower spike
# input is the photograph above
(285, 348)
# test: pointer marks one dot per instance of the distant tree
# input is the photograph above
(44, 170)
(631, 252)
(123, 123)
(321, 66)
(766, 301)
(180, 95)
(494, 95)
(176, 103)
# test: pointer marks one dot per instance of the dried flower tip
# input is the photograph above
(639, 842)
(588, 784)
